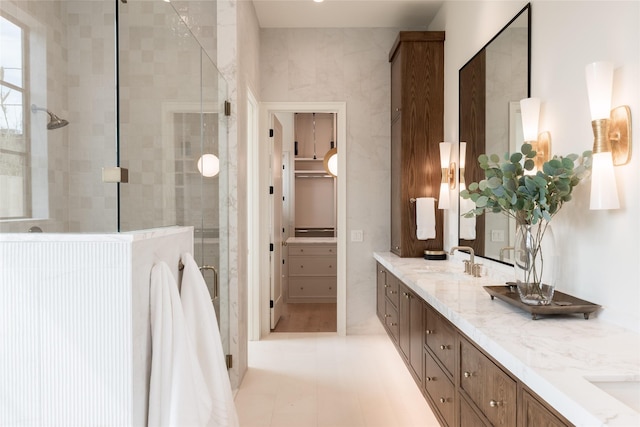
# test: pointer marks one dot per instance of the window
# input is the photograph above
(14, 139)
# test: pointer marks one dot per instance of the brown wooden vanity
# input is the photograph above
(462, 384)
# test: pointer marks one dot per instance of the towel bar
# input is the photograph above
(413, 200)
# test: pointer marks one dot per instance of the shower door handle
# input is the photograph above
(215, 279)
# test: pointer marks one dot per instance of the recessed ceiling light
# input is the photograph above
(318, 1)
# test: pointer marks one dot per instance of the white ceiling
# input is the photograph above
(406, 14)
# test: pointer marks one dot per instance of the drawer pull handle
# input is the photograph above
(428, 378)
(387, 315)
(387, 286)
(495, 403)
(405, 294)
(393, 292)
(443, 400)
(444, 347)
(428, 331)
(393, 324)
(468, 374)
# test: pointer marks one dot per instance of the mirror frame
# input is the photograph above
(471, 160)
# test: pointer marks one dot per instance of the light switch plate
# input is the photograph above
(497, 235)
(357, 236)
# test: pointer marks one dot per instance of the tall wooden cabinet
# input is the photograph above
(417, 104)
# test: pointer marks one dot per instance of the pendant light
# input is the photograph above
(331, 157)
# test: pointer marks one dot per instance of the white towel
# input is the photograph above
(203, 327)
(178, 395)
(467, 225)
(425, 218)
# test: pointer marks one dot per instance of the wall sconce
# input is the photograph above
(448, 181)
(611, 136)
(208, 165)
(541, 142)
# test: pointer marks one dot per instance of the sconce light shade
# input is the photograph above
(604, 190)
(530, 110)
(445, 157)
(463, 162)
(209, 165)
(600, 86)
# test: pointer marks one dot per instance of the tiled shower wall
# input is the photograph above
(74, 77)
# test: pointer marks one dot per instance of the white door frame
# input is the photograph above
(259, 184)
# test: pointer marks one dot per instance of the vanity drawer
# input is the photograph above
(312, 265)
(440, 338)
(439, 388)
(488, 386)
(391, 320)
(393, 286)
(311, 250)
(312, 287)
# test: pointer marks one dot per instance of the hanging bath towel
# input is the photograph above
(203, 327)
(425, 218)
(178, 395)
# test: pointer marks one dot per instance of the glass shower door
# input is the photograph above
(173, 137)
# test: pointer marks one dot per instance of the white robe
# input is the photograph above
(178, 395)
(202, 324)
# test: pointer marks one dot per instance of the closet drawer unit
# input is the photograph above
(312, 265)
(312, 250)
(391, 320)
(393, 286)
(440, 337)
(440, 389)
(312, 287)
(489, 387)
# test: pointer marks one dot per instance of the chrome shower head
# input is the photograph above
(55, 122)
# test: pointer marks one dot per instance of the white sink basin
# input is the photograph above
(626, 391)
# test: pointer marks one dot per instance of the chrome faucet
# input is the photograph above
(468, 265)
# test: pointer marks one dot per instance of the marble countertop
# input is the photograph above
(312, 240)
(558, 357)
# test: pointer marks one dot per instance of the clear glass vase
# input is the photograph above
(535, 264)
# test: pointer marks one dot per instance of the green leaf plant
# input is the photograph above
(515, 189)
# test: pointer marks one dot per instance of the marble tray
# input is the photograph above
(562, 303)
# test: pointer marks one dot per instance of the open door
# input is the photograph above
(276, 223)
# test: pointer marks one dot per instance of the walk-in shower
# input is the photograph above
(138, 90)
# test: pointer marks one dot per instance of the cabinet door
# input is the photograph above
(416, 337)
(405, 321)
(391, 320)
(396, 187)
(535, 414)
(441, 338)
(488, 386)
(396, 85)
(440, 389)
(468, 418)
(381, 287)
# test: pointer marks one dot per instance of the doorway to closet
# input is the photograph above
(306, 265)
(324, 230)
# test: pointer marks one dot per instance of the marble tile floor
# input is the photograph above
(322, 380)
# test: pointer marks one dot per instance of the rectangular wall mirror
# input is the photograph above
(491, 85)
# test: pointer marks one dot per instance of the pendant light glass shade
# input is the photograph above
(209, 165)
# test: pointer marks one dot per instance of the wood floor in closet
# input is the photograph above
(308, 317)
